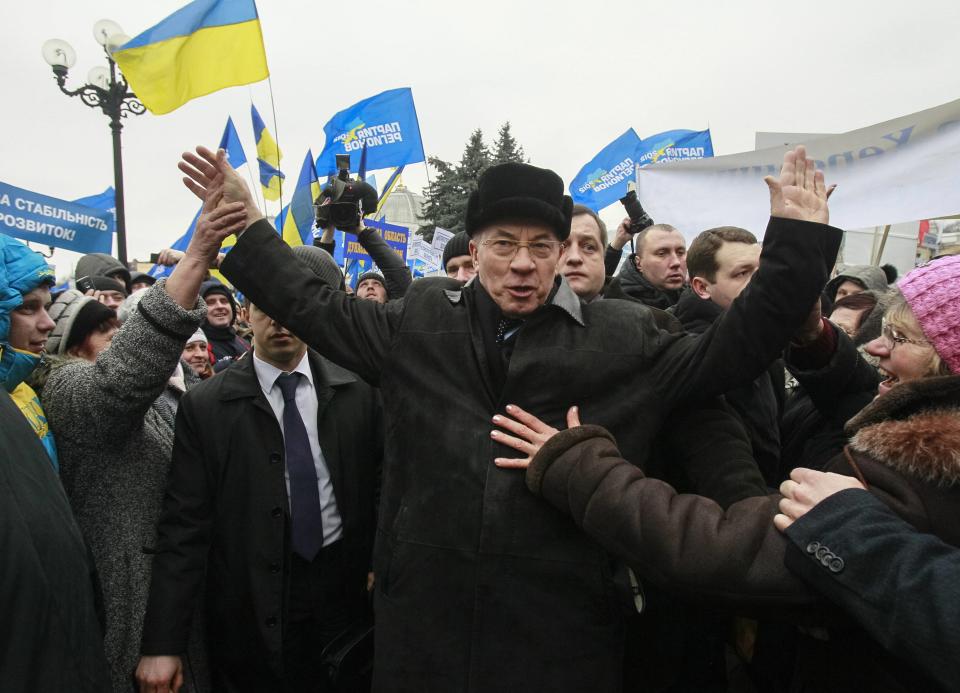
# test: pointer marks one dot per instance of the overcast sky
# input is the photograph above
(569, 76)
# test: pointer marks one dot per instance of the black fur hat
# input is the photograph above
(519, 191)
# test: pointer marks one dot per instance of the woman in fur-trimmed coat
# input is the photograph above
(904, 447)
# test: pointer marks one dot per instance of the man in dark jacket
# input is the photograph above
(52, 639)
(656, 272)
(222, 341)
(478, 587)
(286, 550)
(722, 262)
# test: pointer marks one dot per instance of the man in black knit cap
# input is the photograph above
(457, 262)
(222, 341)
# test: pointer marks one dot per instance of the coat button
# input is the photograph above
(827, 558)
(836, 565)
(271, 622)
(275, 567)
(812, 547)
(276, 512)
(275, 458)
(821, 552)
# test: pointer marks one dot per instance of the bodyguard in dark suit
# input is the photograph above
(271, 495)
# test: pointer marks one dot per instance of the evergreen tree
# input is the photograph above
(447, 195)
(506, 148)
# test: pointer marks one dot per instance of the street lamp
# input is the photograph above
(105, 91)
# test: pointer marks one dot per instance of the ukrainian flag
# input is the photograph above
(298, 217)
(268, 156)
(205, 46)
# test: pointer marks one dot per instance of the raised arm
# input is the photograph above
(798, 251)
(353, 333)
(395, 273)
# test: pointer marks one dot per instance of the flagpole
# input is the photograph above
(276, 133)
(263, 200)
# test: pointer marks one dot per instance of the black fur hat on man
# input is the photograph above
(519, 191)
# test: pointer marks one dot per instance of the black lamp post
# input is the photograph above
(103, 90)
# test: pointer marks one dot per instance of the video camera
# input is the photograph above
(639, 219)
(344, 201)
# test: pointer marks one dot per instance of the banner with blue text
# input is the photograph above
(38, 218)
(395, 236)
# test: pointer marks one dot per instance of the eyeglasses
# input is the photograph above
(507, 249)
(893, 336)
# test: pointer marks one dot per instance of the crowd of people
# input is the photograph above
(731, 466)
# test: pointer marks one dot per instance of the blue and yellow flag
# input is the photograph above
(391, 183)
(299, 216)
(205, 46)
(268, 156)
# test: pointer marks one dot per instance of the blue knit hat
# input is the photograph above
(21, 271)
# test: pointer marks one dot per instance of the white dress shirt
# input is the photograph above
(306, 399)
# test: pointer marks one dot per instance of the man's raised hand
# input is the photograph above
(208, 171)
(799, 192)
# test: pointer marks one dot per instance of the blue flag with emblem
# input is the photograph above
(386, 124)
(674, 145)
(604, 179)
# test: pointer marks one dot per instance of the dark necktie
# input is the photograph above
(307, 535)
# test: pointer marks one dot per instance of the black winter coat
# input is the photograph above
(759, 404)
(480, 587)
(51, 639)
(225, 510)
(635, 285)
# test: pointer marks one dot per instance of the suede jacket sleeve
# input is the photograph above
(900, 585)
(752, 333)
(395, 273)
(353, 333)
(685, 543)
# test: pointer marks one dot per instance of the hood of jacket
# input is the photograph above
(871, 277)
(635, 285)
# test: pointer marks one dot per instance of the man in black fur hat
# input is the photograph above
(479, 586)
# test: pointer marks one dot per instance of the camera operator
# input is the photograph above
(341, 205)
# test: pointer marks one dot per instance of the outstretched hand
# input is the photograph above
(804, 489)
(209, 172)
(531, 434)
(799, 192)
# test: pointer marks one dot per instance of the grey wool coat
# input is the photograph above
(114, 426)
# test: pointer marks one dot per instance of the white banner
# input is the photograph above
(901, 170)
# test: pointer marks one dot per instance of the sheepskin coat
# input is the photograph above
(114, 421)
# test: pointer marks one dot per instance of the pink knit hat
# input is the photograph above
(933, 293)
